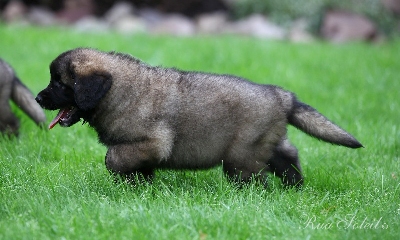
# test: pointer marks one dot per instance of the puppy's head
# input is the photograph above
(79, 80)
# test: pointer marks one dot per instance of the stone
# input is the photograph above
(174, 24)
(298, 32)
(211, 23)
(41, 16)
(151, 16)
(74, 10)
(14, 11)
(257, 25)
(341, 26)
(129, 24)
(121, 17)
(91, 24)
(118, 11)
(392, 5)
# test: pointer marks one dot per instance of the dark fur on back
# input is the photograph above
(153, 117)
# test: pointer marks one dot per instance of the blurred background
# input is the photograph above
(292, 20)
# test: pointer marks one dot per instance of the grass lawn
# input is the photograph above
(54, 185)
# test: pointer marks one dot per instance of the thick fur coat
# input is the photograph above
(153, 117)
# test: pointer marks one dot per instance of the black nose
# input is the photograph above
(38, 99)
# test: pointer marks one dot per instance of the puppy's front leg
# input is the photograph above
(131, 160)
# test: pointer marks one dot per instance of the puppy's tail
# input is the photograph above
(309, 120)
(24, 99)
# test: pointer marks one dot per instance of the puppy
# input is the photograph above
(11, 88)
(153, 117)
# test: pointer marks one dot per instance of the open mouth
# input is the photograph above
(63, 116)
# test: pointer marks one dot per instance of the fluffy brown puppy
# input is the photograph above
(153, 117)
(11, 88)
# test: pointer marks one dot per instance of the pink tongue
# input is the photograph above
(60, 114)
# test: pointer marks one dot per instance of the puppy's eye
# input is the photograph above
(58, 84)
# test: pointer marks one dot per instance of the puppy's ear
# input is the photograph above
(90, 89)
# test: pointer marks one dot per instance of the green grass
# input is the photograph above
(54, 185)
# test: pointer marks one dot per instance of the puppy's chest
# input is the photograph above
(125, 120)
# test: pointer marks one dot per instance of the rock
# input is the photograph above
(298, 32)
(341, 26)
(41, 16)
(211, 23)
(75, 10)
(14, 11)
(257, 26)
(118, 11)
(392, 5)
(174, 24)
(151, 16)
(91, 24)
(129, 24)
(121, 17)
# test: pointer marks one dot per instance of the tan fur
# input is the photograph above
(152, 117)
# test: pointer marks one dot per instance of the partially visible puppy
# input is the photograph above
(11, 88)
(152, 117)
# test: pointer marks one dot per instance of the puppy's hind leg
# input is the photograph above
(131, 162)
(244, 174)
(242, 166)
(285, 164)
